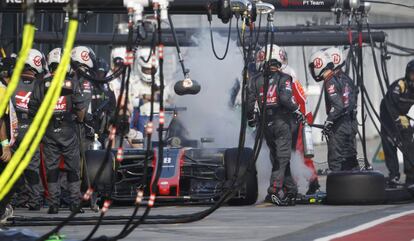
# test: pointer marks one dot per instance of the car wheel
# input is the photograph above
(94, 159)
(249, 191)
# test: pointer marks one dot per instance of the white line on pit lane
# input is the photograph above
(365, 226)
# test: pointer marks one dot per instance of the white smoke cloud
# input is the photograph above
(208, 113)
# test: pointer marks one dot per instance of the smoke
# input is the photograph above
(300, 172)
(209, 114)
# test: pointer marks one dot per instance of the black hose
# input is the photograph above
(107, 79)
(318, 105)
(227, 45)
(177, 46)
(374, 56)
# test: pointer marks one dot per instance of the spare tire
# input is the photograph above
(398, 195)
(248, 193)
(355, 188)
(94, 160)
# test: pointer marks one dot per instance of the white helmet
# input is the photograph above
(36, 61)
(319, 62)
(336, 55)
(83, 56)
(289, 71)
(273, 53)
(144, 69)
(117, 56)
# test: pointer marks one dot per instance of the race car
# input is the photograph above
(189, 174)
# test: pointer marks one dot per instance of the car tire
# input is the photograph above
(398, 195)
(94, 159)
(355, 188)
(250, 183)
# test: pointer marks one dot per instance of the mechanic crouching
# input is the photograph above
(277, 130)
(60, 138)
(340, 100)
(396, 130)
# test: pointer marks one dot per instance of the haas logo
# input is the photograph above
(22, 99)
(271, 95)
(37, 60)
(282, 55)
(84, 55)
(61, 104)
(318, 63)
(260, 56)
(336, 58)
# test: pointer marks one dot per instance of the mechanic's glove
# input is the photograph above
(299, 116)
(327, 128)
(252, 122)
(403, 121)
(89, 131)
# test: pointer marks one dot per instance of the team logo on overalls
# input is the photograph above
(22, 99)
(271, 97)
(61, 104)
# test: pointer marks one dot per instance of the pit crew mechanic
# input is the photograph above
(35, 68)
(395, 126)
(102, 105)
(6, 67)
(337, 57)
(60, 137)
(280, 104)
(340, 101)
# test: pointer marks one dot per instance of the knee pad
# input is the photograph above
(53, 175)
(32, 177)
(73, 177)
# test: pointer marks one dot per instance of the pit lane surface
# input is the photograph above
(260, 222)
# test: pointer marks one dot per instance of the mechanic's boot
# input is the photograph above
(95, 207)
(313, 187)
(53, 209)
(394, 182)
(279, 201)
(8, 213)
(34, 207)
(75, 208)
(268, 199)
(291, 199)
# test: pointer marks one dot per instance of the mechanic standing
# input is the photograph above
(103, 103)
(339, 127)
(35, 68)
(279, 108)
(6, 67)
(338, 60)
(60, 138)
(396, 130)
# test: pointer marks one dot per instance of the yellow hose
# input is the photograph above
(28, 36)
(41, 119)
